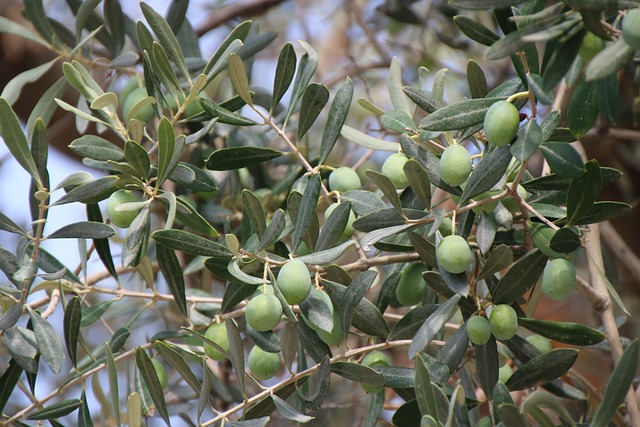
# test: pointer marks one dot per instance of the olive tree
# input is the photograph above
(248, 264)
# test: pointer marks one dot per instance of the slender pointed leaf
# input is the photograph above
(434, 323)
(55, 410)
(337, 116)
(148, 374)
(16, 140)
(172, 272)
(314, 99)
(72, 319)
(285, 70)
(49, 343)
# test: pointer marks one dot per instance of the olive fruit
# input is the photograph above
(263, 365)
(455, 165)
(393, 169)
(558, 279)
(348, 230)
(541, 343)
(454, 254)
(445, 227)
(130, 85)
(144, 114)
(375, 358)
(478, 330)
(218, 334)
(344, 179)
(411, 286)
(591, 46)
(511, 204)
(161, 373)
(122, 219)
(504, 321)
(504, 373)
(294, 281)
(501, 123)
(631, 28)
(263, 312)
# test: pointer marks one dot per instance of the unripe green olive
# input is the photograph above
(161, 373)
(631, 28)
(263, 312)
(344, 179)
(218, 334)
(558, 279)
(375, 358)
(478, 330)
(122, 219)
(455, 165)
(294, 281)
(132, 83)
(411, 286)
(454, 254)
(446, 226)
(504, 322)
(393, 169)
(348, 230)
(591, 46)
(144, 114)
(263, 365)
(541, 343)
(510, 203)
(501, 123)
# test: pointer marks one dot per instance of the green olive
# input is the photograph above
(411, 286)
(263, 312)
(344, 179)
(558, 279)
(501, 123)
(375, 358)
(218, 334)
(263, 365)
(294, 281)
(393, 168)
(591, 46)
(541, 343)
(119, 218)
(454, 254)
(145, 113)
(478, 330)
(631, 28)
(455, 165)
(504, 322)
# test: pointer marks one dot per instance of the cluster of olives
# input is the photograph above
(502, 324)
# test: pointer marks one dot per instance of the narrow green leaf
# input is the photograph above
(563, 159)
(475, 30)
(565, 332)
(459, 115)
(314, 99)
(608, 97)
(334, 227)
(386, 186)
(236, 352)
(542, 369)
(148, 374)
(527, 142)
(583, 108)
(609, 60)
(234, 269)
(189, 243)
(92, 191)
(311, 343)
(425, 394)
(48, 341)
(477, 80)
(335, 120)
(602, 211)
(285, 70)
(522, 275)
(84, 416)
(358, 373)
(55, 410)
(434, 323)
(134, 410)
(13, 88)
(166, 149)
(72, 319)
(236, 36)
(83, 230)
(274, 230)
(618, 385)
(288, 411)
(239, 78)
(138, 158)
(326, 256)
(12, 27)
(112, 374)
(394, 86)
(367, 141)
(172, 272)
(411, 322)
(583, 192)
(239, 157)
(97, 148)
(487, 173)
(93, 313)
(565, 240)
(307, 208)
(16, 141)
(482, 4)
(354, 293)
(487, 366)
(422, 99)
(306, 68)
(136, 239)
(166, 37)
(500, 258)
(7, 224)
(253, 208)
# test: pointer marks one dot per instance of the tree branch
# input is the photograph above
(235, 10)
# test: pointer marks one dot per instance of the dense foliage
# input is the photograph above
(263, 266)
